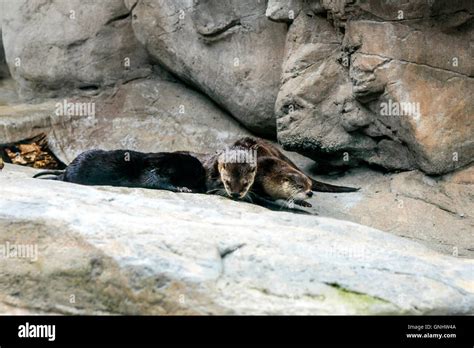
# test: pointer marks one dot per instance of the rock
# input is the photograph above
(283, 11)
(229, 50)
(144, 115)
(436, 211)
(3, 63)
(54, 47)
(360, 90)
(23, 121)
(157, 252)
(316, 113)
(435, 130)
(8, 92)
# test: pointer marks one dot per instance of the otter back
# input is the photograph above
(163, 170)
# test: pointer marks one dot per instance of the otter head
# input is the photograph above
(296, 186)
(237, 168)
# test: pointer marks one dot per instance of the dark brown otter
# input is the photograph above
(275, 175)
(276, 180)
(224, 177)
(178, 172)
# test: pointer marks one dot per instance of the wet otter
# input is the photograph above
(178, 172)
(277, 180)
(275, 175)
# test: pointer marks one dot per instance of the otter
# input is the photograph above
(277, 177)
(276, 180)
(173, 171)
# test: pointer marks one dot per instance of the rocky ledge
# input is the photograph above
(134, 251)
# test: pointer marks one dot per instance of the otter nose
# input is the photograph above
(309, 193)
(235, 195)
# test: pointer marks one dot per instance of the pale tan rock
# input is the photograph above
(340, 76)
(158, 252)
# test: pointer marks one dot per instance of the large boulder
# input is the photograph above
(372, 85)
(227, 49)
(157, 252)
(3, 63)
(54, 46)
(394, 203)
(144, 115)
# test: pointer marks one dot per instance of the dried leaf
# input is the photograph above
(33, 152)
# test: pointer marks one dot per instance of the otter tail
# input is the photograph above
(319, 186)
(56, 173)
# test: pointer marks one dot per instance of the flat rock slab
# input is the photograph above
(435, 211)
(136, 251)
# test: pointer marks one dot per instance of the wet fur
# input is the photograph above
(176, 172)
(265, 149)
(277, 177)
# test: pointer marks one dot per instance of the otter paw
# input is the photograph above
(184, 189)
(303, 204)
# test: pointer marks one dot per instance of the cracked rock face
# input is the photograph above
(379, 86)
(149, 252)
(227, 49)
(54, 46)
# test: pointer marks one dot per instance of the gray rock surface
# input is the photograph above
(346, 83)
(4, 72)
(227, 49)
(52, 47)
(157, 252)
(341, 75)
(144, 115)
(435, 211)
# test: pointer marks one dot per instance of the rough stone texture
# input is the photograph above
(75, 44)
(283, 10)
(8, 92)
(149, 252)
(4, 72)
(436, 211)
(144, 115)
(337, 74)
(227, 49)
(327, 84)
